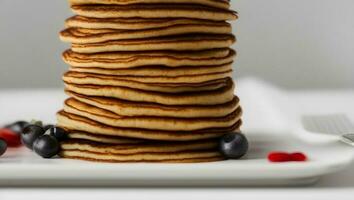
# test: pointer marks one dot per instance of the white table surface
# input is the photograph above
(338, 185)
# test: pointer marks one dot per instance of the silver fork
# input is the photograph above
(332, 124)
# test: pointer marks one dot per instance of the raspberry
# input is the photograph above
(298, 156)
(12, 139)
(286, 157)
(279, 157)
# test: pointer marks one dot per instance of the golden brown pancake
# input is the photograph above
(79, 135)
(148, 122)
(96, 79)
(154, 11)
(128, 108)
(132, 23)
(156, 71)
(147, 152)
(225, 4)
(183, 157)
(176, 43)
(215, 97)
(124, 60)
(146, 147)
(85, 36)
(75, 122)
(179, 80)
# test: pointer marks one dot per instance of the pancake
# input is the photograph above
(123, 60)
(79, 135)
(150, 152)
(182, 79)
(96, 79)
(157, 71)
(75, 107)
(154, 11)
(77, 123)
(128, 108)
(174, 80)
(177, 43)
(215, 97)
(198, 80)
(225, 4)
(182, 157)
(149, 147)
(132, 23)
(85, 36)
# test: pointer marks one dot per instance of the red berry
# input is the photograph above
(12, 139)
(279, 157)
(298, 156)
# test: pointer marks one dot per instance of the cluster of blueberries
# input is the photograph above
(44, 140)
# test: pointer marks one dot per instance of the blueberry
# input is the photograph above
(46, 146)
(233, 145)
(30, 133)
(57, 132)
(3, 146)
(17, 126)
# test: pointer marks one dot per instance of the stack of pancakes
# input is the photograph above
(149, 80)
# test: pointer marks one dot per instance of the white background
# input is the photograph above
(295, 44)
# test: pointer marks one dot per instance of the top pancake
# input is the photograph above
(132, 23)
(154, 11)
(225, 4)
